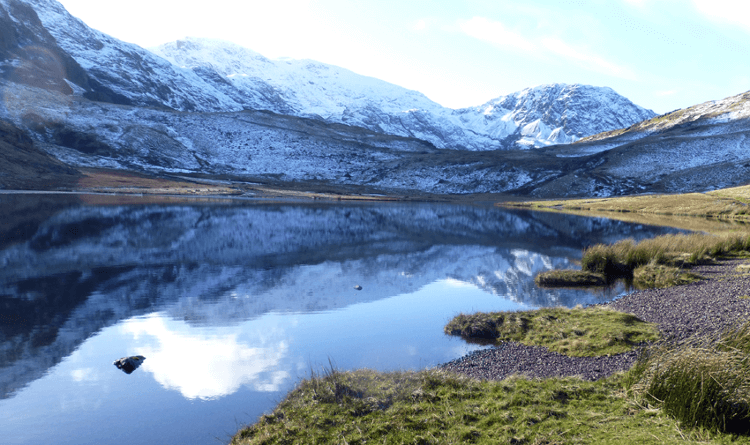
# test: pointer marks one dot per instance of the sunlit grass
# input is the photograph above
(702, 382)
(578, 332)
(437, 407)
(662, 258)
(569, 278)
(725, 203)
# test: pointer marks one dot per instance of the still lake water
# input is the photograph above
(233, 302)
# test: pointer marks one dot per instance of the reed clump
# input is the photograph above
(653, 276)
(701, 382)
(679, 251)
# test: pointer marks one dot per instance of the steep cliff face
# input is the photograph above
(30, 55)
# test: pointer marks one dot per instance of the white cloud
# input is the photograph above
(452, 282)
(666, 93)
(728, 11)
(84, 375)
(205, 365)
(586, 59)
(496, 33)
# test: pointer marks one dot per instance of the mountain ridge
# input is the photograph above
(306, 88)
(92, 101)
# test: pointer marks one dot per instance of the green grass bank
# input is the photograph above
(659, 262)
(577, 332)
(436, 407)
(695, 392)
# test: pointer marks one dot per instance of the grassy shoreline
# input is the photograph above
(731, 203)
(711, 402)
(576, 332)
(674, 394)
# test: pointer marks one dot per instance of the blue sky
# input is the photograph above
(661, 54)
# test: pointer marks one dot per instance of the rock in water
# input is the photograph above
(129, 364)
(358, 287)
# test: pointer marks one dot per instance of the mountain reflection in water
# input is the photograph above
(222, 297)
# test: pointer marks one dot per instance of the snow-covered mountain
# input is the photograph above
(553, 114)
(545, 115)
(91, 100)
(211, 76)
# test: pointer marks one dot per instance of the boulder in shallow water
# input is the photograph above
(129, 364)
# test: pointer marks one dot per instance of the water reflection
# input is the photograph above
(207, 365)
(87, 267)
(231, 301)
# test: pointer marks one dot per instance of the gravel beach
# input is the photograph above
(706, 307)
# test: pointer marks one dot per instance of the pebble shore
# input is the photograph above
(706, 307)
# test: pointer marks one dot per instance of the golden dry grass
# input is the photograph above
(119, 181)
(686, 211)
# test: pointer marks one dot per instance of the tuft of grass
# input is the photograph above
(437, 407)
(569, 278)
(621, 259)
(577, 332)
(660, 276)
(701, 382)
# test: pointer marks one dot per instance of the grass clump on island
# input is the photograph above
(577, 332)
(652, 263)
(569, 278)
(662, 259)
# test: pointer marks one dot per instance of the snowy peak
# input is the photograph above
(227, 58)
(213, 76)
(307, 87)
(134, 75)
(555, 113)
(545, 115)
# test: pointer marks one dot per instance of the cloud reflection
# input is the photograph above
(205, 364)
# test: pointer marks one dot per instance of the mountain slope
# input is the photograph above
(533, 117)
(554, 114)
(212, 76)
(733, 108)
(306, 88)
(90, 100)
(135, 75)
